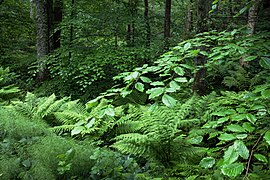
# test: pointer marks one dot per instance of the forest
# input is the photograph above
(134, 89)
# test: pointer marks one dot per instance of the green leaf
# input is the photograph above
(195, 140)
(157, 83)
(180, 71)
(248, 127)
(232, 170)
(181, 79)
(132, 76)
(109, 111)
(266, 93)
(235, 128)
(250, 58)
(90, 124)
(168, 100)
(145, 79)
(241, 149)
(261, 157)
(251, 118)
(243, 10)
(187, 46)
(139, 86)
(267, 137)
(77, 130)
(241, 136)
(174, 85)
(231, 155)
(226, 137)
(222, 120)
(265, 62)
(155, 92)
(192, 177)
(207, 162)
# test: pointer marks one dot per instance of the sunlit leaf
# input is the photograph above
(77, 130)
(232, 170)
(241, 149)
(145, 79)
(155, 92)
(226, 137)
(261, 158)
(267, 137)
(235, 128)
(139, 86)
(207, 162)
(231, 155)
(168, 100)
(179, 71)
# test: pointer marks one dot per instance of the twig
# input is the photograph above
(251, 154)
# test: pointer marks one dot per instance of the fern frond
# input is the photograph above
(55, 106)
(69, 117)
(43, 106)
(63, 128)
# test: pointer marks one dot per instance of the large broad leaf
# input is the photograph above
(187, 46)
(261, 158)
(251, 118)
(267, 137)
(155, 92)
(91, 123)
(207, 162)
(139, 86)
(145, 79)
(179, 71)
(77, 130)
(181, 79)
(132, 76)
(226, 137)
(241, 149)
(168, 100)
(235, 128)
(157, 83)
(174, 85)
(248, 127)
(232, 170)
(231, 155)
(265, 62)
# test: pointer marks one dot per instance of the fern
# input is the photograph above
(156, 134)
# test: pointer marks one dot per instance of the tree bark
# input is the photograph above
(253, 16)
(167, 23)
(71, 29)
(189, 19)
(147, 23)
(199, 85)
(43, 47)
(57, 18)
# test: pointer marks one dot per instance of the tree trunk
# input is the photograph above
(71, 29)
(57, 18)
(199, 85)
(253, 16)
(147, 24)
(189, 19)
(43, 47)
(202, 15)
(167, 23)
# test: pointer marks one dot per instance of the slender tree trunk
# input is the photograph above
(253, 16)
(71, 29)
(189, 20)
(199, 85)
(147, 24)
(42, 38)
(57, 18)
(32, 5)
(167, 23)
(202, 15)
